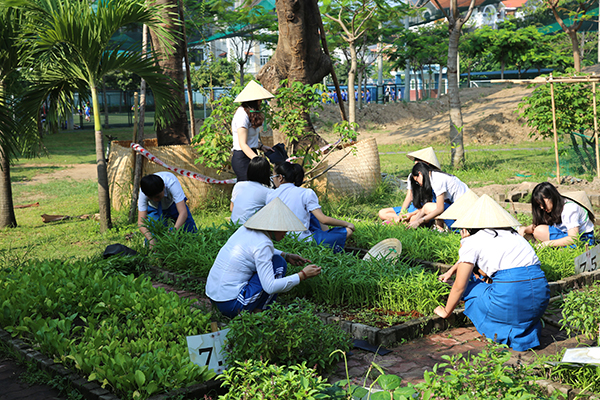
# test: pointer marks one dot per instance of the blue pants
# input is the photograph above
(334, 237)
(509, 309)
(171, 213)
(252, 296)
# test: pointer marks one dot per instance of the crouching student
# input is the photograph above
(248, 271)
(161, 197)
(498, 276)
(560, 219)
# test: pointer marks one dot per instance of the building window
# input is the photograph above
(264, 60)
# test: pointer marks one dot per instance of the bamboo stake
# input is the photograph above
(596, 131)
(187, 75)
(555, 133)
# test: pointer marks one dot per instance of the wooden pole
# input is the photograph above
(596, 131)
(555, 133)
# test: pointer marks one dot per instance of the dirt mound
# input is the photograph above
(488, 115)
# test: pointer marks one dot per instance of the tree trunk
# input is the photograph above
(298, 56)
(170, 61)
(575, 43)
(7, 211)
(351, 79)
(105, 99)
(502, 65)
(241, 64)
(360, 93)
(101, 168)
(457, 150)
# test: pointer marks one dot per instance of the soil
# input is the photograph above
(78, 172)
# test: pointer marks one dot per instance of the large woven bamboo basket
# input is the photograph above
(357, 174)
(120, 172)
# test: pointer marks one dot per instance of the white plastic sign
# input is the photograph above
(583, 355)
(208, 350)
(588, 261)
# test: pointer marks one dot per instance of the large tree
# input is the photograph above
(68, 43)
(18, 126)
(298, 57)
(170, 54)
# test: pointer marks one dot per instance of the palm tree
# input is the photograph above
(18, 127)
(68, 43)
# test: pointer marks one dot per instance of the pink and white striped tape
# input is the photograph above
(180, 171)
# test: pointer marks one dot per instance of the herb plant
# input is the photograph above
(285, 335)
(581, 313)
(257, 379)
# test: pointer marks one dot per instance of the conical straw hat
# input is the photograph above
(581, 198)
(388, 248)
(275, 216)
(427, 155)
(460, 207)
(253, 91)
(486, 213)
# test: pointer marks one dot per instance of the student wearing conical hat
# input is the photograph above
(560, 219)
(248, 271)
(246, 126)
(498, 276)
(396, 214)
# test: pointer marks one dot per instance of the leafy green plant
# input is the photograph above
(285, 335)
(214, 139)
(580, 312)
(257, 379)
(116, 329)
(485, 375)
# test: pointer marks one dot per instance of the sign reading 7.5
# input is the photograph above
(587, 261)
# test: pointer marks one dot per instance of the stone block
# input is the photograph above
(323, 316)
(346, 326)
(594, 199)
(386, 337)
(333, 319)
(516, 195)
(500, 197)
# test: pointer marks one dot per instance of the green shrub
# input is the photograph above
(118, 330)
(581, 313)
(253, 379)
(285, 335)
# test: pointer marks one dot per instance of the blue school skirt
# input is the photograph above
(334, 237)
(509, 310)
(556, 233)
(171, 213)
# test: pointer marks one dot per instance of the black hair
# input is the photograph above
(292, 173)
(259, 170)
(152, 185)
(421, 194)
(546, 190)
(473, 231)
(252, 108)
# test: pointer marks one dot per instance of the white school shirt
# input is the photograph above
(575, 216)
(300, 200)
(451, 186)
(247, 197)
(241, 120)
(247, 252)
(173, 193)
(505, 251)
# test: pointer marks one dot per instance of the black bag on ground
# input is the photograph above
(118, 249)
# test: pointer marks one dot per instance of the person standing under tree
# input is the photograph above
(246, 126)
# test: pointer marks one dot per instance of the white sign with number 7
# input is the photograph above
(587, 261)
(208, 350)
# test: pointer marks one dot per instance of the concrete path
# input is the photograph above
(13, 388)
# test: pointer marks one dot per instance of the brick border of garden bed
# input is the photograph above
(91, 390)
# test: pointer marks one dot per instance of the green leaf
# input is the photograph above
(140, 378)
